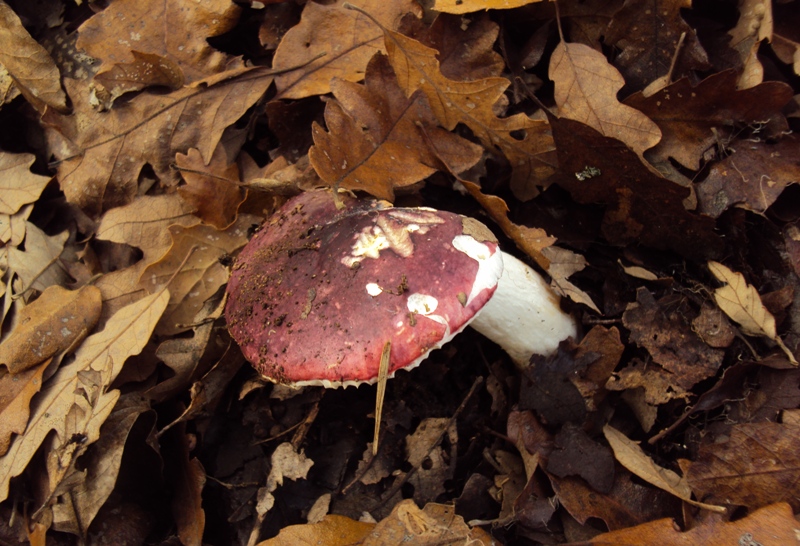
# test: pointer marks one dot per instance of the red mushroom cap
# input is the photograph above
(317, 292)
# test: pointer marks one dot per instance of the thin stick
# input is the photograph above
(383, 374)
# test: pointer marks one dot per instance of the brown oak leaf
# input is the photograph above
(692, 118)
(377, 139)
(333, 42)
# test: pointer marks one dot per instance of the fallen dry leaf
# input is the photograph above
(753, 27)
(34, 72)
(287, 463)
(378, 139)
(211, 189)
(741, 302)
(16, 392)
(333, 530)
(751, 177)
(18, 185)
(755, 464)
(77, 399)
(177, 32)
(101, 463)
(632, 457)
(771, 526)
(333, 42)
(192, 269)
(649, 39)
(469, 6)
(693, 118)
(57, 320)
(661, 328)
(101, 154)
(38, 265)
(586, 87)
(471, 103)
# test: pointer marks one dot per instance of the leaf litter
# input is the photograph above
(640, 158)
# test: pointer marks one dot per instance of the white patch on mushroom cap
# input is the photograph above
(370, 242)
(490, 265)
(422, 304)
(373, 289)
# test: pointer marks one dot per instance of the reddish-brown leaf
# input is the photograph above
(379, 140)
(756, 464)
(692, 118)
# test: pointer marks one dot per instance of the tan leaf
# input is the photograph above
(38, 265)
(18, 185)
(632, 457)
(472, 103)
(16, 392)
(770, 526)
(754, 26)
(741, 302)
(211, 188)
(12, 227)
(145, 222)
(101, 463)
(333, 530)
(586, 87)
(176, 31)
(379, 140)
(287, 463)
(146, 69)
(532, 241)
(200, 276)
(58, 319)
(347, 39)
(76, 400)
(563, 263)
(28, 63)
(102, 153)
(469, 6)
(434, 524)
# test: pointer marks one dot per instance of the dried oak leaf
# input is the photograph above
(630, 502)
(692, 118)
(466, 51)
(791, 238)
(38, 265)
(192, 269)
(345, 38)
(751, 177)
(101, 464)
(434, 524)
(378, 139)
(16, 392)
(469, 6)
(661, 328)
(211, 189)
(741, 302)
(146, 70)
(102, 154)
(434, 465)
(770, 526)
(472, 103)
(28, 63)
(632, 457)
(18, 185)
(175, 31)
(586, 87)
(77, 400)
(333, 530)
(648, 36)
(658, 385)
(642, 207)
(754, 465)
(753, 27)
(58, 319)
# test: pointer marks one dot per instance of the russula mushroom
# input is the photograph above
(318, 292)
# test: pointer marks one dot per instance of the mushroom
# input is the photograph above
(319, 292)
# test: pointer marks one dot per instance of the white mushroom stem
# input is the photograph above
(524, 316)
